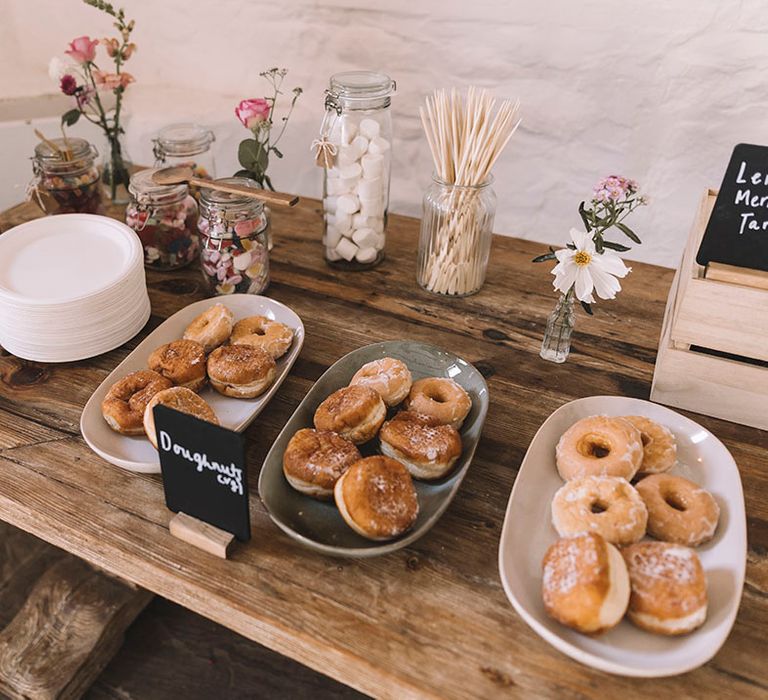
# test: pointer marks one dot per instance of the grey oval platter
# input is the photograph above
(318, 524)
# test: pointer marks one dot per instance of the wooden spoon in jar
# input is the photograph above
(183, 174)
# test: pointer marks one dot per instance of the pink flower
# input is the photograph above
(111, 81)
(68, 84)
(614, 187)
(84, 95)
(111, 45)
(252, 113)
(82, 49)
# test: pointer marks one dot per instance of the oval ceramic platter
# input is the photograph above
(136, 453)
(528, 532)
(318, 524)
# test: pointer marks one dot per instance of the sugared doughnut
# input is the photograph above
(441, 398)
(314, 461)
(607, 505)
(669, 588)
(181, 399)
(211, 328)
(376, 498)
(585, 583)
(263, 333)
(389, 377)
(659, 446)
(123, 406)
(678, 510)
(601, 446)
(181, 361)
(241, 371)
(354, 412)
(428, 450)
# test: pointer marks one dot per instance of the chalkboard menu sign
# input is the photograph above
(737, 232)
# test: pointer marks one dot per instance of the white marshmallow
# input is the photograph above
(352, 170)
(346, 249)
(330, 204)
(342, 221)
(347, 156)
(335, 186)
(370, 188)
(332, 255)
(369, 128)
(378, 146)
(365, 237)
(366, 255)
(373, 166)
(348, 130)
(371, 208)
(358, 221)
(376, 223)
(380, 240)
(333, 173)
(360, 144)
(332, 237)
(348, 203)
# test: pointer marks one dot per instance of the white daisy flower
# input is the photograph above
(588, 271)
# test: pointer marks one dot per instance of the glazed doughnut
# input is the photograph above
(354, 412)
(427, 450)
(263, 333)
(659, 447)
(441, 398)
(389, 377)
(669, 588)
(314, 460)
(607, 505)
(600, 446)
(211, 328)
(181, 361)
(678, 510)
(123, 406)
(241, 371)
(376, 498)
(181, 399)
(585, 583)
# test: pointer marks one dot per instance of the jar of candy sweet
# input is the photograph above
(164, 217)
(66, 177)
(186, 144)
(233, 237)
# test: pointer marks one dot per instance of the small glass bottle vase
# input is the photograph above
(556, 345)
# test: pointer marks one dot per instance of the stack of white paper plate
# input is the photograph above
(72, 286)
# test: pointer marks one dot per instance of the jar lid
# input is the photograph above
(185, 139)
(142, 184)
(362, 84)
(230, 200)
(80, 149)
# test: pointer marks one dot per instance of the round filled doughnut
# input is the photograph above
(669, 587)
(211, 328)
(241, 371)
(354, 412)
(599, 445)
(181, 399)
(314, 460)
(678, 510)
(659, 446)
(607, 505)
(389, 377)
(123, 406)
(376, 498)
(271, 336)
(440, 398)
(585, 584)
(181, 361)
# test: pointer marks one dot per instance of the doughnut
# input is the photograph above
(181, 399)
(123, 406)
(241, 371)
(600, 446)
(607, 505)
(427, 450)
(314, 460)
(354, 412)
(440, 398)
(659, 447)
(669, 588)
(389, 377)
(263, 333)
(585, 584)
(211, 328)
(376, 498)
(181, 361)
(678, 510)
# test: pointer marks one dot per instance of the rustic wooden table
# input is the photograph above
(430, 620)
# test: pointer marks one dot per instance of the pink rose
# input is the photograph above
(82, 49)
(252, 112)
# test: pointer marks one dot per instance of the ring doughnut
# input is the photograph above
(181, 361)
(241, 371)
(123, 406)
(599, 445)
(678, 510)
(659, 447)
(354, 412)
(440, 398)
(607, 505)
(263, 333)
(211, 328)
(181, 399)
(389, 377)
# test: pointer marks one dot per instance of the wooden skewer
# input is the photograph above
(65, 153)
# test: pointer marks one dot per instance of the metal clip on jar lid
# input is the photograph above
(185, 139)
(146, 190)
(355, 87)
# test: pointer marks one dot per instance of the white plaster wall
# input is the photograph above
(660, 91)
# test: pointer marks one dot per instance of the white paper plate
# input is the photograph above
(626, 650)
(136, 453)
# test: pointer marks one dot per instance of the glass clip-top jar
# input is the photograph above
(234, 251)
(186, 144)
(164, 218)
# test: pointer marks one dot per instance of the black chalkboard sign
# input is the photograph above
(204, 471)
(737, 232)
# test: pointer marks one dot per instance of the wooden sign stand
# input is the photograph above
(713, 352)
(201, 534)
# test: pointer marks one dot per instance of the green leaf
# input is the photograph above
(598, 244)
(276, 152)
(587, 307)
(70, 118)
(628, 232)
(616, 246)
(583, 215)
(248, 154)
(547, 256)
(242, 173)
